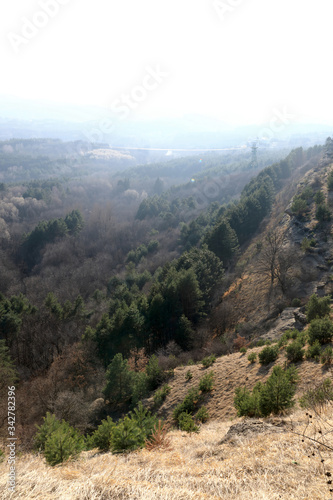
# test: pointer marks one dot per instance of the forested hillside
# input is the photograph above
(108, 283)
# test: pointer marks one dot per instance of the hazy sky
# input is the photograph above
(240, 60)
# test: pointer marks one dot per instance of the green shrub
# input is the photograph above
(58, 440)
(323, 213)
(252, 357)
(319, 198)
(318, 396)
(62, 444)
(50, 425)
(278, 392)
(188, 375)
(330, 181)
(186, 423)
(202, 415)
(268, 355)
(154, 373)
(283, 340)
(2, 456)
(160, 395)
(296, 303)
(190, 362)
(268, 342)
(317, 307)
(294, 351)
(206, 382)
(208, 361)
(321, 330)
(327, 356)
(243, 350)
(188, 404)
(144, 420)
(272, 397)
(260, 343)
(126, 436)
(101, 437)
(299, 206)
(246, 402)
(314, 350)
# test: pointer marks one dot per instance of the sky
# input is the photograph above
(241, 61)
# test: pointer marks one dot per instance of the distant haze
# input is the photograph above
(236, 60)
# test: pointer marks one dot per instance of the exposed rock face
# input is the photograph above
(247, 428)
(286, 321)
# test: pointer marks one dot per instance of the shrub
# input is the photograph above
(190, 362)
(313, 350)
(330, 181)
(144, 420)
(317, 307)
(319, 198)
(323, 213)
(272, 397)
(160, 395)
(260, 343)
(159, 438)
(154, 373)
(58, 440)
(252, 357)
(126, 436)
(206, 382)
(208, 361)
(50, 425)
(278, 392)
(296, 303)
(2, 456)
(321, 330)
(188, 375)
(318, 396)
(188, 404)
(101, 437)
(202, 415)
(295, 352)
(299, 206)
(243, 350)
(62, 444)
(327, 356)
(268, 355)
(246, 402)
(186, 423)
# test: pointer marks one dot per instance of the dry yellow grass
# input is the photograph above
(261, 467)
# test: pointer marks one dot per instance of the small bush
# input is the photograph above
(318, 396)
(260, 343)
(206, 382)
(268, 355)
(313, 350)
(296, 303)
(327, 356)
(317, 307)
(202, 415)
(159, 438)
(246, 402)
(160, 395)
(252, 357)
(2, 456)
(321, 330)
(323, 213)
(208, 361)
(190, 362)
(62, 444)
(126, 436)
(101, 437)
(186, 423)
(295, 352)
(188, 375)
(319, 198)
(189, 403)
(243, 350)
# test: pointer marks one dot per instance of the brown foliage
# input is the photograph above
(159, 438)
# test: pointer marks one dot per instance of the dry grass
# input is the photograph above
(261, 467)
